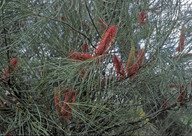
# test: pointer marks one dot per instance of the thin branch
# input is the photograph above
(72, 28)
(91, 19)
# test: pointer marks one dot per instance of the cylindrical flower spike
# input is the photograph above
(118, 67)
(142, 18)
(139, 61)
(13, 64)
(66, 108)
(79, 56)
(106, 41)
(182, 39)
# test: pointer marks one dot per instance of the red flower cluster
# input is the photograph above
(79, 56)
(142, 18)
(13, 64)
(102, 48)
(106, 41)
(66, 108)
(131, 67)
(139, 61)
(118, 67)
(182, 39)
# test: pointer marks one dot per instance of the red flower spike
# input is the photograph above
(142, 18)
(84, 48)
(141, 57)
(181, 40)
(139, 61)
(66, 110)
(118, 67)
(10, 69)
(106, 41)
(14, 63)
(133, 71)
(79, 56)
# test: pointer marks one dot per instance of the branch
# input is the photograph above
(92, 19)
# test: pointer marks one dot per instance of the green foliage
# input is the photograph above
(41, 34)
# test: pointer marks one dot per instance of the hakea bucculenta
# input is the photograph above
(106, 41)
(139, 62)
(130, 61)
(142, 18)
(13, 64)
(118, 67)
(79, 56)
(182, 39)
(64, 109)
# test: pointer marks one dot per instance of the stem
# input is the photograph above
(92, 19)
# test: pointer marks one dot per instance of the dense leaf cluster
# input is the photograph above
(40, 37)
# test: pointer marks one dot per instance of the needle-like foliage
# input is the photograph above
(60, 74)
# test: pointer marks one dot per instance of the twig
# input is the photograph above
(68, 26)
(91, 19)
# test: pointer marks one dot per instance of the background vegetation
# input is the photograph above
(40, 35)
